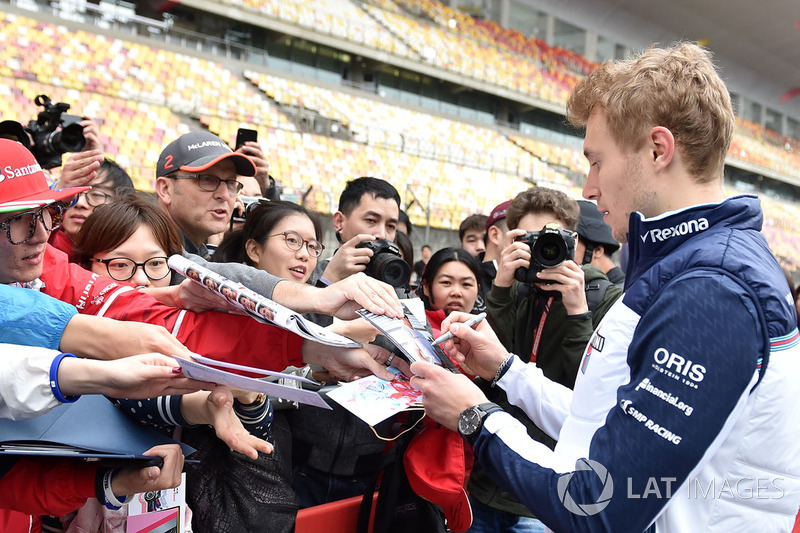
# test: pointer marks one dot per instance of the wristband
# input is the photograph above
(102, 488)
(502, 369)
(54, 380)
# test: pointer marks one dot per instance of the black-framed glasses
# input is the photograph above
(210, 183)
(93, 197)
(20, 228)
(123, 268)
(294, 242)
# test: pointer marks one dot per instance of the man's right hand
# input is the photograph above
(515, 255)
(80, 170)
(343, 298)
(478, 346)
(105, 338)
(348, 259)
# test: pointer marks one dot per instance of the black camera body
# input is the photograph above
(387, 264)
(549, 247)
(250, 203)
(54, 132)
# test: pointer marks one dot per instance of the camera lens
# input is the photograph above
(550, 250)
(69, 139)
(390, 269)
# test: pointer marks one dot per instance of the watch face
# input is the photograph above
(469, 422)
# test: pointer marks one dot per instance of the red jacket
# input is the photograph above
(223, 336)
(42, 486)
(59, 239)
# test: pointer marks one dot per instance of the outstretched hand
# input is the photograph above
(343, 298)
(347, 364)
(229, 428)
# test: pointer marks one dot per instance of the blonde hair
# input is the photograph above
(677, 88)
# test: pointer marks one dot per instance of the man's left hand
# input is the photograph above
(445, 394)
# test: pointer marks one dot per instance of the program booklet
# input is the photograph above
(257, 306)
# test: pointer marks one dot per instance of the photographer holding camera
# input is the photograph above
(543, 306)
(365, 224)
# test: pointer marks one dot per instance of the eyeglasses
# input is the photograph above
(20, 228)
(210, 183)
(124, 268)
(294, 242)
(93, 198)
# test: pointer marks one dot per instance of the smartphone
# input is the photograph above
(244, 135)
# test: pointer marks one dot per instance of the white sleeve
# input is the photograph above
(25, 381)
(545, 402)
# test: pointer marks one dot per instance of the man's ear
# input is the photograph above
(251, 248)
(598, 252)
(338, 220)
(662, 144)
(495, 235)
(164, 190)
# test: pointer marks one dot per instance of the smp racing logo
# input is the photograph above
(684, 228)
(590, 508)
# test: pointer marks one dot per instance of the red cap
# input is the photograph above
(23, 185)
(438, 463)
(498, 213)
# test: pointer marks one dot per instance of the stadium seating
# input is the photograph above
(142, 97)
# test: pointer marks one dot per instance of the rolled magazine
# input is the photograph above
(257, 306)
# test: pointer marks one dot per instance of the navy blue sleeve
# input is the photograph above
(693, 360)
(163, 412)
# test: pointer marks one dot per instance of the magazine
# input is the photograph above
(202, 369)
(373, 399)
(411, 337)
(257, 306)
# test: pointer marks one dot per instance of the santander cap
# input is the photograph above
(23, 184)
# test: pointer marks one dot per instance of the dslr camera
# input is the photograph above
(54, 132)
(549, 247)
(386, 264)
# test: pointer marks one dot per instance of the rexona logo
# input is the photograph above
(684, 228)
(11, 172)
(591, 508)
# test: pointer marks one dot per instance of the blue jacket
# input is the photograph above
(30, 318)
(684, 412)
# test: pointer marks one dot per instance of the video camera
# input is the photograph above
(53, 132)
(386, 264)
(549, 247)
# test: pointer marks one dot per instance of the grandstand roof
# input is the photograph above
(762, 37)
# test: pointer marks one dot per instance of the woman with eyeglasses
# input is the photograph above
(279, 237)
(111, 179)
(129, 240)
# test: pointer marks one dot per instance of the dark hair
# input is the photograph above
(258, 225)
(114, 176)
(407, 249)
(112, 224)
(472, 222)
(437, 260)
(543, 200)
(403, 219)
(355, 189)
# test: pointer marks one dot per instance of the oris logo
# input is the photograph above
(684, 228)
(680, 365)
